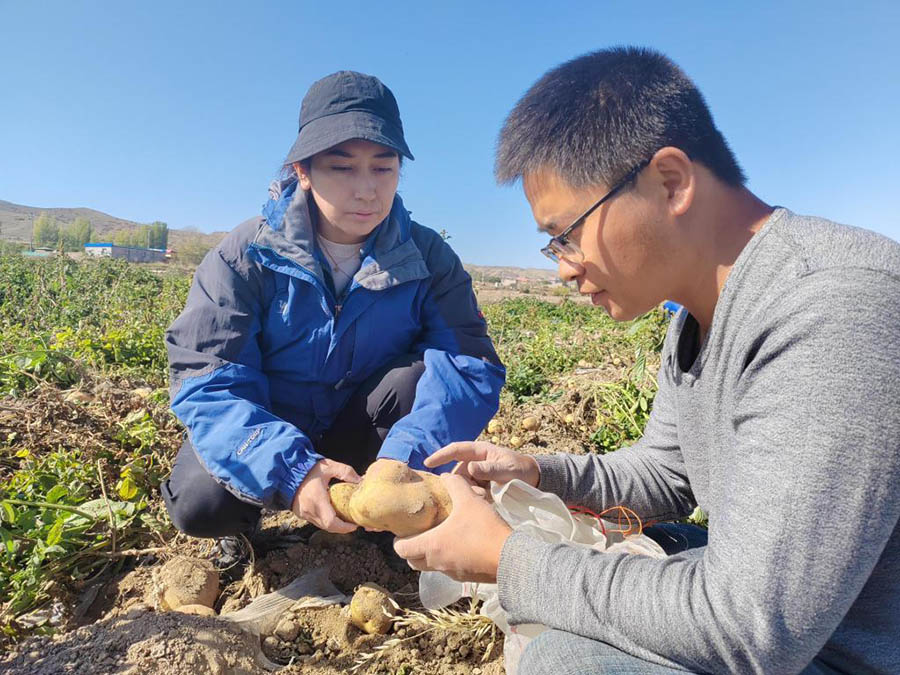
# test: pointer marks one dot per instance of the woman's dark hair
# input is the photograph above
(595, 118)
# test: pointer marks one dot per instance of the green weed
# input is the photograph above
(78, 485)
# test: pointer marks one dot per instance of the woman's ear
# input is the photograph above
(302, 171)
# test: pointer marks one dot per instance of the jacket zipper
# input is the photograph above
(336, 310)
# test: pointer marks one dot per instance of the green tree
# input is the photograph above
(77, 234)
(46, 231)
(121, 237)
(159, 235)
(137, 237)
(192, 246)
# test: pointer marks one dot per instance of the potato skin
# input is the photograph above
(393, 497)
(372, 609)
(340, 494)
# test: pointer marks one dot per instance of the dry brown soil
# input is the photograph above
(133, 635)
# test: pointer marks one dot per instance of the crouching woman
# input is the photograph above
(325, 334)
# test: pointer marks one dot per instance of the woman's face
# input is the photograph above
(353, 185)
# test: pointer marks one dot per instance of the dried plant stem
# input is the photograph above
(114, 531)
(128, 552)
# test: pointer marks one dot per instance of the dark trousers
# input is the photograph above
(677, 537)
(200, 507)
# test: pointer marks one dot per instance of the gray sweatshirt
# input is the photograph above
(784, 426)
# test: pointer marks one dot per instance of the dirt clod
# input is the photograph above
(287, 630)
(198, 610)
(148, 642)
(187, 581)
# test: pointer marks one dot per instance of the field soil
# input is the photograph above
(117, 624)
(72, 428)
(125, 629)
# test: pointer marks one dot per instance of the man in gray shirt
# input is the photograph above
(777, 410)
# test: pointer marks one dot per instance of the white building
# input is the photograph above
(130, 253)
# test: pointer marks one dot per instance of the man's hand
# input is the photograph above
(467, 545)
(484, 462)
(311, 501)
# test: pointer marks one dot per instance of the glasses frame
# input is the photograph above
(561, 241)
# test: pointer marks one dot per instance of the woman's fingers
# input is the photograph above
(340, 471)
(327, 519)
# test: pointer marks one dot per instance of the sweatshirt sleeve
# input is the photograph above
(649, 477)
(220, 393)
(812, 504)
(459, 392)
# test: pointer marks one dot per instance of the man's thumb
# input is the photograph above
(457, 486)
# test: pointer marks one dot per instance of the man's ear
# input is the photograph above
(302, 172)
(678, 177)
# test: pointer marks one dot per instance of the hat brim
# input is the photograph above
(326, 132)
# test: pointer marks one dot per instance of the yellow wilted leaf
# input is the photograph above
(127, 488)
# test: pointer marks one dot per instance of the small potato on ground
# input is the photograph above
(373, 609)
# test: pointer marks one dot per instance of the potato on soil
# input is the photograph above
(531, 423)
(187, 581)
(495, 427)
(393, 497)
(372, 609)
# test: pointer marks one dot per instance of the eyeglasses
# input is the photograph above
(560, 247)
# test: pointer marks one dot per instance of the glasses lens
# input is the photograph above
(550, 252)
(566, 250)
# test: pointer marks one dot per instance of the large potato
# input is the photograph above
(393, 497)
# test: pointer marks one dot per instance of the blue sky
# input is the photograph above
(182, 112)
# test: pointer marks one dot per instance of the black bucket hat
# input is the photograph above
(343, 106)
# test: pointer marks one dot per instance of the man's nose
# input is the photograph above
(567, 270)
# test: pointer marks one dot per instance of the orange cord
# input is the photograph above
(622, 510)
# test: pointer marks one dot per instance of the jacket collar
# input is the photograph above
(390, 256)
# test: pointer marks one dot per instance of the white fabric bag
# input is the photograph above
(543, 516)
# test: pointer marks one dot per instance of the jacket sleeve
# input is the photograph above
(219, 392)
(459, 392)
(649, 477)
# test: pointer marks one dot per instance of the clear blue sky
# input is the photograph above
(183, 111)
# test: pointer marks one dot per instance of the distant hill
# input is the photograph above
(16, 223)
(488, 273)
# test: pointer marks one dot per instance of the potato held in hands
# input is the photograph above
(393, 497)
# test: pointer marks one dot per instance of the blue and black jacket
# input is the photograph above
(264, 356)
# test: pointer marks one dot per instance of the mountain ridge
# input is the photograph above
(16, 223)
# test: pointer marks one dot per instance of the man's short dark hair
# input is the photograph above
(593, 119)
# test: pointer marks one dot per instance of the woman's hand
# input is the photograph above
(311, 501)
(467, 545)
(484, 462)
